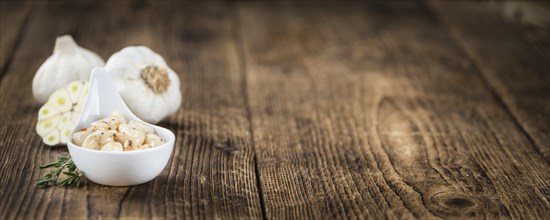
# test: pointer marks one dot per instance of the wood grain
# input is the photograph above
(12, 22)
(372, 110)
(513, 58)
(211, 174)
(302, 110)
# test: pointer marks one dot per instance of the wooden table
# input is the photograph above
(305, 110)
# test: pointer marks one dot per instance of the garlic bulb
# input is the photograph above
(57, 118)
(67, 63)
(148, 86)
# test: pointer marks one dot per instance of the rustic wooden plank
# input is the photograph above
(12, 19)
(371, 110)
(214, 175)
(211, 173)
(514, 59)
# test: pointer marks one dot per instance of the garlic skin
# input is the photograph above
(68, 62)
(148, 86)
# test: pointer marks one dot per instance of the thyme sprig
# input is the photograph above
(64, 165)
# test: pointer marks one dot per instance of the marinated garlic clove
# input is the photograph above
(97, 139)
(121, 137)
(106, 124)
(135, 133)
(146, 128)
(128, 146)
(79, 137)
(112, 146)
(153, 140)
(118, 117)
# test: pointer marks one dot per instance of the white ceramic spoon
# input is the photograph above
(116, 168)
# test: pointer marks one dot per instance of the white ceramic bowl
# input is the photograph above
(116, 168)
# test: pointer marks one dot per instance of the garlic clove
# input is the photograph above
(142, 125)
(47, 111)
(112, 146)
(75, 116)
(46, 126)
(51, 138)
(66, 117)
(67, 63)
(65, 132)
(59, 115)
(74, 88)
(81, 98)
(60, 100)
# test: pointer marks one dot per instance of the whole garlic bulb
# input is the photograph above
(68, 62)
(148, 86)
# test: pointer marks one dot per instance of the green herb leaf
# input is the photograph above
(64, 165)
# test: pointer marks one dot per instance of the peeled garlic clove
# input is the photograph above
(118, 117)
(153, 140)
(140, 125)
(135, 134)
(112, 146)
(68, 62)
(97, 139)
(149, 87)
(79, 137)
(57, 118)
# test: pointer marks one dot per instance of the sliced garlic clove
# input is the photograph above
(51, 138)
(65, 132)
(75, 116)
(81, 98)
(47, 111)
(66, 118)
(74, 88)
(46, 126)
(61, 100)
